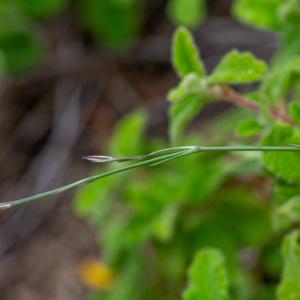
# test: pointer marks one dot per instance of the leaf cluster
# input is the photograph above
(227, 215)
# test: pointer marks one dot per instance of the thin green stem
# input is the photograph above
(156, 160)
(151, 159)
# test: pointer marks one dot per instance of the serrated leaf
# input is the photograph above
(248, 128)
(284, 164)
(289, 288)
(207, 277)
(238, 67)
(258, 13)
(182, 112)
(189, 85)
(186, 12)
(185, 54)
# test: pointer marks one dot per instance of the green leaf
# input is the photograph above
(19, 42)
(283, 79)
(42, 9)
(191, 84)
(163, 225)
(248, 128)
(237, 67)
(288, 213)
(289, 288)
(94, 200)
(128, 137)
(22, 50)
(290, 12)
(187, 12)
(116, 23)
(185, 55)
(284, 165)
(2, 64)
(207, 277)
(295, 112)
(283, 192)
(182, 112)
(258, 13)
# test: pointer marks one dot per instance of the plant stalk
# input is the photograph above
(151, 159)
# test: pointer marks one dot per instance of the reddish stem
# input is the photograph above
(232, 96)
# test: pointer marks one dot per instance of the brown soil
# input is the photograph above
(46, 266)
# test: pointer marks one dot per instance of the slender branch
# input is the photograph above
(232, 96)
(151, 159)
(156, 160)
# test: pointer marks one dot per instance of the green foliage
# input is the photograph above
(128, 138)
(21, 49)
(185, 55)
(115, 23)
(191, 84)
(187, 12)
(288, 213)
(207, 277)
(283, 79)
(92, 202)
(19, 42)
(221, 207)
(195, 89)
(2, 64)
(295, 112)
(168, 209)
(290, 12)
(182, 112)
(42, 9)
(129, 134)
(289, 286)
(248, 128)
(238, 67)
(214, 206)
(258, 13)
(283, 164)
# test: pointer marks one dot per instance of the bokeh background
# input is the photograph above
(69, 70)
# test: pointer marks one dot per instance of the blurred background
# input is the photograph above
(70, 69)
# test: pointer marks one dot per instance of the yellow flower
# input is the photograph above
(97, 275)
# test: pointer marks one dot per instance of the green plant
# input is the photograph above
(234, 214)
(162, 221)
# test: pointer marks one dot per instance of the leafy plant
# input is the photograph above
(228, 213)
(196, 217)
